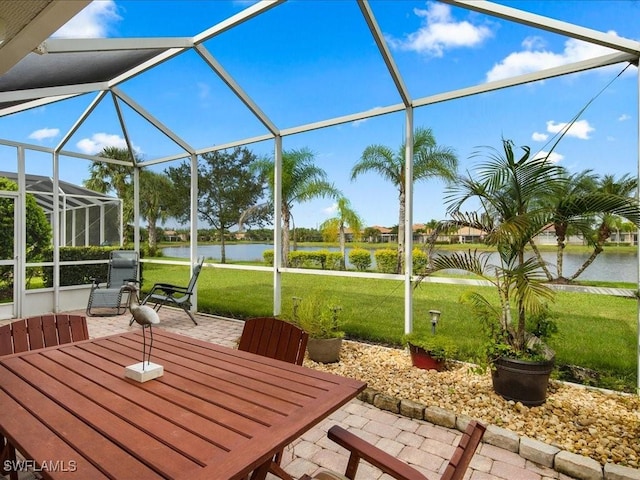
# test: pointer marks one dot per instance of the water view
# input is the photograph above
(620, 267)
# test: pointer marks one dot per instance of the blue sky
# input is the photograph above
(306, 61)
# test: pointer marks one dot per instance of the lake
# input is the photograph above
(611, 266)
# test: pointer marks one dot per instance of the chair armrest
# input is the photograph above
(168, 288)
(360, 449)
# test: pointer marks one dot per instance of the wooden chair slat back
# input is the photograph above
(6, 344)
(79, 329)
(64, 329)
(49, 329)
(42, 331)
(34, 330)
(19, 334)
(464, 452)
(274, 338)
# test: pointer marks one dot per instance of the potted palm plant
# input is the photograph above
(509, 191)
(319, 318)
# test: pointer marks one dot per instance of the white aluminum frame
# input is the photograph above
(627, 51)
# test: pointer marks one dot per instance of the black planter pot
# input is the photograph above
(521, 380)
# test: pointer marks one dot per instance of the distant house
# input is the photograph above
(385, 234)
(469, 235)
(173, 236)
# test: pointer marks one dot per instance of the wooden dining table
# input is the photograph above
(216, 413)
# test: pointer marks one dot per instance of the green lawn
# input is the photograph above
(595, 331)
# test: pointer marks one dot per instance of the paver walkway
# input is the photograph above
(427, 447)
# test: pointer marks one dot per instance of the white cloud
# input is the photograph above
(534, 57)
(357, 123)
(331, 209)
(204, 90)
(580, 129)
(539, 137)
(44, 133)
(553, 156)
(624, 117)
(94, 21)
(98, 141)
(533, 43)
(440, 31)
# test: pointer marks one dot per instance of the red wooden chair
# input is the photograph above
(31, 334)
(42, 331)
(362, 450)
(274, 338)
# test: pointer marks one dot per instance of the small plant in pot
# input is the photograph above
(319, 318)
(429, 351)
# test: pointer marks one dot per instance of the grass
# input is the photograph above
(595, 331)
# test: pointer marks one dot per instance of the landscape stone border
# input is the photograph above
(572, 464)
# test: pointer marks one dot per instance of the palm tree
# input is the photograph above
(302, 181)
(345, 217)
(105, 177)
(155, 196)
(508, 191)
(429, 161)
(575, 208)
(620, 195)
(566, 218)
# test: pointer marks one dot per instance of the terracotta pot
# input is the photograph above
(422, 359)
(521, 380)
(324, 350)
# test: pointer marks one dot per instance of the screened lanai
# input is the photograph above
(86, 217)
(108, 85)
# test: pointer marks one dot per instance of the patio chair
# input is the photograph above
(361, 450)
(277, 339)
(123, 268)
(31, 334)
(274, 338)
(42, 331)
(174, 295)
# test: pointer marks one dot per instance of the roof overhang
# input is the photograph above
(28, 24)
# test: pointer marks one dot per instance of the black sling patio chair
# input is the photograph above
(174, 295)
(108, 299)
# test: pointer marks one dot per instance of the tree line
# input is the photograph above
(236, 187)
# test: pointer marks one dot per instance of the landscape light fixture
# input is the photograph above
(435, 318)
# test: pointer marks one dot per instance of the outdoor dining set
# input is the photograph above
(67, 409)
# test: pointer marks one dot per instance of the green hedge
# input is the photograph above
(360, 258)
(420, 261)
(79, 274)
(323, 259)
(386, 260)
(333, 260)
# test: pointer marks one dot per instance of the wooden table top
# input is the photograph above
(216, 413)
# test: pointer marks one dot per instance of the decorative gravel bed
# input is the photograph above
(602, 425)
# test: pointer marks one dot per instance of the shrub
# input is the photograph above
(334, 259)
(267, 255)
(314, 258)
(79, 274)
(420, 261)
(360, 258)
(386, 260)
